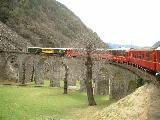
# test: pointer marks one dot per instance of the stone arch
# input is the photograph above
(98, 79)
(39, 70)
(104, 73)
(56, 71)
(76, 71)
(11, 67)
(119, 80)
(3, 64)
(23, 68)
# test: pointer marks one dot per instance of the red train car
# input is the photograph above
(101, 54)
(120, 54)
(157, 53)
(143, 58)
(146, 58)
(75, 52)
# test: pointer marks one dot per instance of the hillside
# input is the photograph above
(157, 44)
(46, 23)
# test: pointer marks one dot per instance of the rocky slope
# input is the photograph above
(46, 23)
(10, 40)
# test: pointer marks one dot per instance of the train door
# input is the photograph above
(157, 52)
(132, 56)
(153, 60)
(149, 61)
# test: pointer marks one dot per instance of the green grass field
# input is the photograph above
(29, 102)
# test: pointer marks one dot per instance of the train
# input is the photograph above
(39, 50)
(69, 52)
(148, 59)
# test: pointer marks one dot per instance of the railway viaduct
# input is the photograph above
(108, 76)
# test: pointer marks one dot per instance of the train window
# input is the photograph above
(158, 57)
(133, 55)
(126, 54)
(143, 56)
(139, 55)
(147, 56)
(122, 53)
(150, 56)
(117, 52)
(113, 52)
(136, 55)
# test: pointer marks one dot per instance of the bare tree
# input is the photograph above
(88, 80)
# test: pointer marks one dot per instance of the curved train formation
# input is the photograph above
(148, 59)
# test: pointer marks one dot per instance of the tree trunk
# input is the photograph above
(66, 79)
(88, 80)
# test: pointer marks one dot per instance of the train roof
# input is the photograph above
(66, 48)
(55, 48)
(59, 48)
(122, 48)
(125, 49)
(142, 49)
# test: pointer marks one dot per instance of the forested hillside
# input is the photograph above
(46, 23)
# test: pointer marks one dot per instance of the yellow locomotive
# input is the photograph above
(48, 50)
(39, 50)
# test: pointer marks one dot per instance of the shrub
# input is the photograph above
(140, 82)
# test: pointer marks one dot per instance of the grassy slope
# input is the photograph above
(23, 103)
